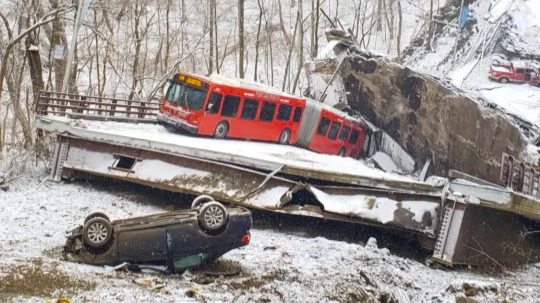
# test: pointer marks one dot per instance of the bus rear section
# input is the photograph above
(183, 105)
(326, 131)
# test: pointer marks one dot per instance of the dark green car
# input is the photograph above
(178, 239)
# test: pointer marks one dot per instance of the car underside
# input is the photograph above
(178, 239)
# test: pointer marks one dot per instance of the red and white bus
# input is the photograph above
(233, 108)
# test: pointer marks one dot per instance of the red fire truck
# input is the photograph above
(233, 108)
(514, 72)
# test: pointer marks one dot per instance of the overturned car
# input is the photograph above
(178, 239)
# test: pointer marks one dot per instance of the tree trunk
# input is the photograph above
(300, 45)
(398, 38)
(282, 25)
(287, 67)
(211, 36)
(379, 15)
(58, 39)
(34, 63)
(241, 38)
(257, 41)
(214, 12)
(315, 14)
(430, 24)
(135, 74)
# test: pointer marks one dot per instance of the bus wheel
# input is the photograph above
(504, 80)
(285, 136)
(221, 130)
(341, 152)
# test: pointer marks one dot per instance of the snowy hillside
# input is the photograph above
(497, 30)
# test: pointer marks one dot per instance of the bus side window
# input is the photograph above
(323, 126)
(354, 137)
(249, 111)
(284, 112)
(297, 114)
(214, 104)
(334, 129)
(345, 131)
(230, 106)
(267, 112)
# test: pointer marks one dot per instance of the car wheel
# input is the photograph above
(95, 215)
(97, 232)
(201, 199)
(341, 152)
(212, 216)
(285, 137)
(504, 80)
(222, 129)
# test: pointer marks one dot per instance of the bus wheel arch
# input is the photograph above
(341, 152)
(285, 136)
(222, 129)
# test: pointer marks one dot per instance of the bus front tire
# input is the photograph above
(285, 137)
(222, 129)
(341, 152)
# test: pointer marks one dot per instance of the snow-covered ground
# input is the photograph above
(290, 259)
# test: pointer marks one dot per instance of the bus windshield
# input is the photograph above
(186, 95)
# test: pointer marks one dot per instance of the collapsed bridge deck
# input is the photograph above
(296, 181)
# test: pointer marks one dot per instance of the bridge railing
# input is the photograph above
(519, 176)
(95, 108)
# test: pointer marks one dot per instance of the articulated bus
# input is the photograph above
(233, 108)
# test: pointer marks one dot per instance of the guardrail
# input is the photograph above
(95, 108)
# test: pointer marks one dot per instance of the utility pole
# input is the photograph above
(81, 13)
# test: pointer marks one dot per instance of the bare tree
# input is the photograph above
(257, 41)
(211, 8)
(430, 24)
(300, 45)
(398, 38)
(287, 67)
(315, 14)
(58, 42)
(282, 24)
(13, 41)
(241, 48)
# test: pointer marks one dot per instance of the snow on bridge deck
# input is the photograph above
(258, 155)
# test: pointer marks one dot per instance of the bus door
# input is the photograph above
(248, 124)
(268, 131)
(211, 115)
(282, 122)
(343, 137)
(356, 140)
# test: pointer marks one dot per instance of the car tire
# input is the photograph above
(97, 232)
(222, 129)
(285, 137)
(504, 80)
(201, 199)
(342, 152)
(212, 217)
(95, 215)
